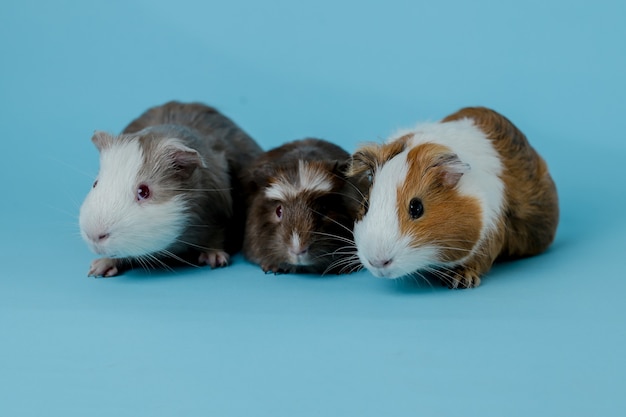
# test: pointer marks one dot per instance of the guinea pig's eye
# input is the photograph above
(279, 212)
(143, 192)
(416, 208)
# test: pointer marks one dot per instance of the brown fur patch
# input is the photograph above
(450, 221)
(373, 156)
(364, 163)
(531, 211)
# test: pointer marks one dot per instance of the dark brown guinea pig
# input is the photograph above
(301, 209)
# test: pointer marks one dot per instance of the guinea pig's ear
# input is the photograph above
(184, 158)
(261, 175)
(340, 168)
(102, 140)
(371, 156)
(451, 168)
(363, 160)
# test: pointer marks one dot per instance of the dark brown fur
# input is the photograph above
(309, 213)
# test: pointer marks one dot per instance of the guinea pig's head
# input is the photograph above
(136, 206)
(300, 214)
(415, 218)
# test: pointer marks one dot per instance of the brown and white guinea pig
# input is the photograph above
(300, 209)
(449, 198)
(168, 190)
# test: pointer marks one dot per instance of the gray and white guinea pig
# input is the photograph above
(301, 209)
(450, 198)
(168, 190)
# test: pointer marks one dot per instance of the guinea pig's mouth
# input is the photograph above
(382, 273)
(98, 250)
(300, 260)
(103, 250)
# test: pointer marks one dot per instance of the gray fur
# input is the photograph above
(191, 151)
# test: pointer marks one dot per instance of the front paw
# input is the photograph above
(214, 258)
(271, 269)
(103, 267)
(276, 269)
(463, 278)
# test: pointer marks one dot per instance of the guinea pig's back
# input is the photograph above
(309, 149)
(220, 133)
(531, 212)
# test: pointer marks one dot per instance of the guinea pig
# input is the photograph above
(450, 198)
(168, 190)
(301, 209)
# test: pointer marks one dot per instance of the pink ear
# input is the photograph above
(187, 157)
(102, 139)
(184, 158)
(452, 168)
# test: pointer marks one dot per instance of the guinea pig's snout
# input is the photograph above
(97, 236)
(298, 250)
(97, 239)
(379, 266)
(103, 236)
(380, 263)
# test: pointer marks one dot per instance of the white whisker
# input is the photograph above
(194, 245)
(333, 220)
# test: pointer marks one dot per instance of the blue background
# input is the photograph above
(542, 336)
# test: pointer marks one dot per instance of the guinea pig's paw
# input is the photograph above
(103, 267)
(214, 258)
(271, 269)
(463, 278)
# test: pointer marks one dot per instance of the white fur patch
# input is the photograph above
(133, 228)
(381, 247)
(309, 179)
(377, 235)
(472, 147)
(295, 243)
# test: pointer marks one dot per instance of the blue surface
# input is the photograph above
(542, 336)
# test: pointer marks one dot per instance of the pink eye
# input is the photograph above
(143, 192)
(279, 212)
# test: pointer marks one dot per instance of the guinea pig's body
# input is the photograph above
(166, 190)
(301, 209)
(450, 198)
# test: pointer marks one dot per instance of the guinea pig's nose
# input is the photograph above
(299, 250)
(378, 263)
(98, 236)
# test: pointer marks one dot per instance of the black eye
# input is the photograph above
(143, 192)
(279, 212)
(416, 208)
(94, 184)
